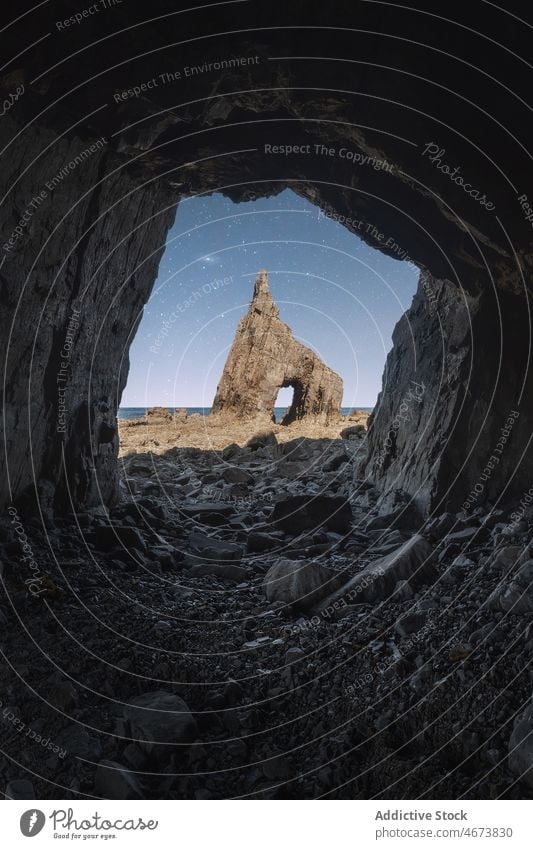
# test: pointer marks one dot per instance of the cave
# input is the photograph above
(90, 244)
(418, 151)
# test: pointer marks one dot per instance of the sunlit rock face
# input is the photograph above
(265, 357)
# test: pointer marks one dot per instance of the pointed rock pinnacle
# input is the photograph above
(264, 357)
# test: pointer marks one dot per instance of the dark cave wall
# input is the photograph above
(73, 288)
(454, 419)
(83, 270)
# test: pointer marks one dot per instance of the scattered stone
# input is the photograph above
(462, 562)
(62, 694)
(20, 788)
(235, 475)
(353, 432)
(207, 550)
(75, 740)
(413, 561)
(232, 451)
(294, 654)
(258, 643)
(335, 461)
(259, 541)
(161, 413)
(160, 721)
(293, 470)
(459, 652)
(506, 558)
(232, 693)
(208, 512)
(518, 596)
(264, 439)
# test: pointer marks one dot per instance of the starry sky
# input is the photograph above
(341, 298)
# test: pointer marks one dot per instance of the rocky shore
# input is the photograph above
(254, 619)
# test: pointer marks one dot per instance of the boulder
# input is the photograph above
(353, 432)
(158, 414)
(264, 439)
(233, 474)
(209, 550)
(261, 541)
(299, 513)
(233, 451)
(333, 463)
(20, 788)
(518, 596)
(297, 450)
(160, 721)
(301, 583)
(507, 558)
(75, 740)
(292, 470)
(412, 562)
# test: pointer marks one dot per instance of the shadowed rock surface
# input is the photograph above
(210, 675)
(265, 357)
(154, 590)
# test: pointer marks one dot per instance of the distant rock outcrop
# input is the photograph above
(265, 357)
(158, 413)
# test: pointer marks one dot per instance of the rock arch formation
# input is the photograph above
(265, 357)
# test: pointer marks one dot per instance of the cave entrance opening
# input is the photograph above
(340, 297)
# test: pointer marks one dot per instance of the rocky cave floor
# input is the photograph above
(411, 695)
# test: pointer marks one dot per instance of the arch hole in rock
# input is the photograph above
(283, 403)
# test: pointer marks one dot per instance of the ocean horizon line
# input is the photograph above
(137, 412)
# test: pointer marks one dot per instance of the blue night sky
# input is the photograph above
(340, 297)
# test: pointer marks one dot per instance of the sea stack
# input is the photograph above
(265, 357)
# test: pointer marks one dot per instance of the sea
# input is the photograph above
(140, 412)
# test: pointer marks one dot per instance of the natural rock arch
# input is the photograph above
(93, 242)
(266, 357)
